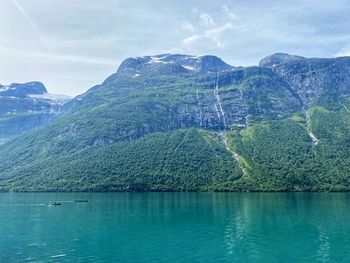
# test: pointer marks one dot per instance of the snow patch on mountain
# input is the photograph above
(57, 98)
(4, 88)
(171, 64)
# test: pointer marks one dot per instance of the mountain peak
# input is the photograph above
(171, 63)
(23, 89)
(277, 59)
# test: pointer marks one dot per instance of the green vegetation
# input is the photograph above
(281, 156)
(188, 160)
(277, 155)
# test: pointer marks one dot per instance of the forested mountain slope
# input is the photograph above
(177, 122)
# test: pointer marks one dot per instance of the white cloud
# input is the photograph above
(62, 57)
(206, 19)
(227, 11)
(345, 52)
(32, 24)
(192, 40)
(214, 35)
(188, 27)
(95, 32)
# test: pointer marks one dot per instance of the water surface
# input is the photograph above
(175, 227)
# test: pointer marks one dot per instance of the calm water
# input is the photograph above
(176, 227)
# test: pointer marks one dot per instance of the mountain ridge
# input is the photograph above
(281, 126)
(25, 107)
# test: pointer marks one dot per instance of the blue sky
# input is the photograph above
(71, 45)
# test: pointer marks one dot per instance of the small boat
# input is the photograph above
(53, 203)
(81, 201)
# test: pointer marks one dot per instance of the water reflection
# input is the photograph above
(289, 226)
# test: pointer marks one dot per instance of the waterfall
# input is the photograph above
(218, 105)
(309, 131)
(200, 110)
(346, 108)
(222, 119)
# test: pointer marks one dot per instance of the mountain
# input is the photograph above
(278, 59)
(25, 107)
(171, 64)
(186, 123)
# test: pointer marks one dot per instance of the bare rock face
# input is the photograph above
(167, 92)
(210, 95)
(315, 81)
(181, 91)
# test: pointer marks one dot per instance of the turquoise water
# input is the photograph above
(176, 227)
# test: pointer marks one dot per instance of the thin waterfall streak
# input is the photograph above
(222, 119)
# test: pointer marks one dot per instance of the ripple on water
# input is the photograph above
(58, 256)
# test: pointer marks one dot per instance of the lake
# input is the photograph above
(175, 227)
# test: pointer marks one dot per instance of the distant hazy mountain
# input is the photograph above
(178, 122)
(24, 107)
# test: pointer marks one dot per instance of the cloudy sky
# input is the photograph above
(71, 45)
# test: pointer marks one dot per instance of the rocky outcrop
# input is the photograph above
(315, 81)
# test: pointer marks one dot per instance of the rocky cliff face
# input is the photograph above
(218, 101)
(24, 107)
(315, 81)
(167, 92)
